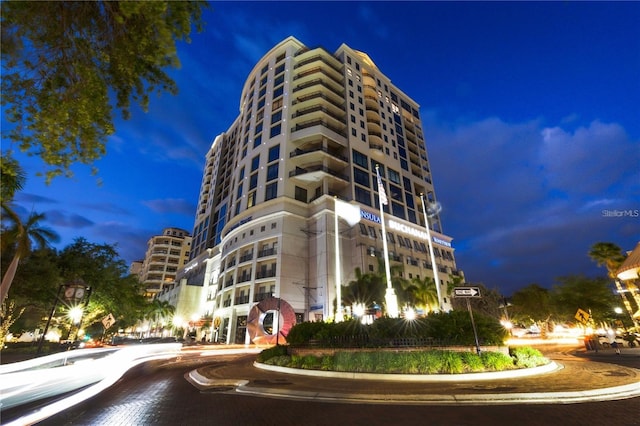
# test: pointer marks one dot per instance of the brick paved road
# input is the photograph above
(162, 396)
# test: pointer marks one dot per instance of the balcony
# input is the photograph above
(317, 149)
(246, 257)
(259, 297)
(241, 300)
(267, 252)
(266, 274)
(319, 122)
(226, 303)
(316, 173)
(228, 283)
(246, 276)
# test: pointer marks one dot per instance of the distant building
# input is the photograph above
(313, 125)
(165, 255)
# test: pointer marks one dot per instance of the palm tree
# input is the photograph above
(611, 256)
(21, 237)
(366, 288)
(158, 310)
(423, 293)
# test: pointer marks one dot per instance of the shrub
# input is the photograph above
(310, 362)
(496, 361)
(327, 363)
(271, 352)
(280, 361)
(527, 357)
(472, 361)
(451, 362)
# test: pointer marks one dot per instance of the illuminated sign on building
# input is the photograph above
(396, 226)
(370, 216)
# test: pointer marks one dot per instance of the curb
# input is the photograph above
(493, 375)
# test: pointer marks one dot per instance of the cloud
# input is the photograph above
(524, 202)
(171, 205)
(63, 219)
(590, 159)
(106, 208)
(24, 197)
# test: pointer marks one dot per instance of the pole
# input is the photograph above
(338, 314)
(278, 325)
(473, 324)
(390, 295)
(46, 327)
(434, 267)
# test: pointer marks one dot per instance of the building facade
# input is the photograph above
(313, 126)
(165, 255)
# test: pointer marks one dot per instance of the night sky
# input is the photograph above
(531, 113)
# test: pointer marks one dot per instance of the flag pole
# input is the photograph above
(390, 296)
(338, 313)
(434, 267)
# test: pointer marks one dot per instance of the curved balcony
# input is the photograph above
(317, 173)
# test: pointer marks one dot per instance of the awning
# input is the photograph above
(631, 266)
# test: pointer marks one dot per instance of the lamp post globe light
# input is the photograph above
(430, 211)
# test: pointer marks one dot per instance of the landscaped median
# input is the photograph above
(416, 364)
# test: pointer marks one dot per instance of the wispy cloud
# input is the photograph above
(171, 205)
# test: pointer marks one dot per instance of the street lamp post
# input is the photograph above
(434, 267)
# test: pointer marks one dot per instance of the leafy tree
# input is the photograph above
(12, 177)
(64, 61)
(113, 290)
(579, 292)
(531, 304)
(23, 236)
(34, 288)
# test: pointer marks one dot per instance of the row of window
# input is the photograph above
(405, 242)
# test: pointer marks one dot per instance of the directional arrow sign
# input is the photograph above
(466, 292)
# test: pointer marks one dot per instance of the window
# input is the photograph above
(255, 162)
(278, 92)
(278, 80)
(280, 67)
(394, 176)
(253, 181)
(275, 117)
(372, 232)
(360, 159)
(239, 192)
(301, 194)
(276, 104)
(271, 191)
(361, 177)
(363, 229)
(258, 128)
(391, 238)
(241, 175)
(397, 210)
(272, 172)
(257, 141)
(274, 153)
(251, 199)
(363, 196)
(275, 130)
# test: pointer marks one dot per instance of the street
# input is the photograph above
(157, 393)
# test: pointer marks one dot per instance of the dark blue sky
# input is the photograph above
(531, 113)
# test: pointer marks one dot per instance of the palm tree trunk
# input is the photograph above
(7, 279)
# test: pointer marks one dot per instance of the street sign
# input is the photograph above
(108, 321)
(466, 292)
(582, 316)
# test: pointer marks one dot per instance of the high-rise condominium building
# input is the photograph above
(165, 255)
(313, 126)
